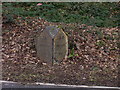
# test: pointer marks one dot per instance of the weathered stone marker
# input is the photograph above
(52, 45)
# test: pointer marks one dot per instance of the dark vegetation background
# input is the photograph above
(96, 14)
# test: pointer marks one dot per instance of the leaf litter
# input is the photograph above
(92, 59)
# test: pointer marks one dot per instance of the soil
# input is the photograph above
(92, 60)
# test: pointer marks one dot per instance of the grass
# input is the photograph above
(95, 14)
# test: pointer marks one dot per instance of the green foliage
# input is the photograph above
(100, 43)
(96, 14)
(10, 12)
(108, 37)
(72, 53)
(99, 34)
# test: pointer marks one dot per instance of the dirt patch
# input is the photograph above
(92, 60)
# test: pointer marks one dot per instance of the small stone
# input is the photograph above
(44, 63)
(84, 78)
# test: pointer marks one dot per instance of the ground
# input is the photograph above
(92, 59)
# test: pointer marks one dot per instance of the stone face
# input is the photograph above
(44, 47)
(52, 45)
(60, 46)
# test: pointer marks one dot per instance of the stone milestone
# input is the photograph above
(52, 45)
